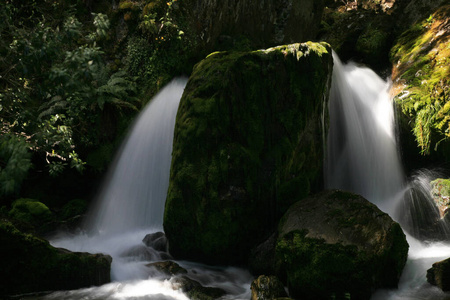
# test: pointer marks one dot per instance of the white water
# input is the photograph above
(131, 205)
(362, 157)
(134, 194)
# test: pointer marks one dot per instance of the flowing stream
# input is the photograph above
(363, 158)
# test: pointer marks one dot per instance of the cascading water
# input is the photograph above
(362, 157)
(134, 195)
(361, 151)
(131, 205)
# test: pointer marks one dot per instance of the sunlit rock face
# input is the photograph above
(248, 142)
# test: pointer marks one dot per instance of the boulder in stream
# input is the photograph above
(439, 275)
(248, 143)
(337, 244)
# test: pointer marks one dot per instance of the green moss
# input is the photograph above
(316, 270)
(30, 211)
(247, 133)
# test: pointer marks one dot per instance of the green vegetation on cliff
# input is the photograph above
(248, 142)
(421, 59)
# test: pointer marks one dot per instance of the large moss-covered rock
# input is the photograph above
(338, 244)
(421, 59)
(248, 142)
(30, 264)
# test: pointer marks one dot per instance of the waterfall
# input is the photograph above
(131, 205)
(134, 194)
(362, 154)
(362, 157)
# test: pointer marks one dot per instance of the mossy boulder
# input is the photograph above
(31, 211)
(421, 59)
(30, 264)
(338, 244)
(439, 275)
(248, 141)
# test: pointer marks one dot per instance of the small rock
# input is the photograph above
(267, 288)
(194, 290)
(168, 268)
(157, 241)
(439, 275)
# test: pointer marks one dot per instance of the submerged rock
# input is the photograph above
(439, 275)
(336, 244)
(30, 264)
(167, 268)
(248, 142)
(267, 288)
(194, 290)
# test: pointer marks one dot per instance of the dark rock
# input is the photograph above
(142, 252)
(338, 243)
(157, 241)
(439, 275)
(30, 264)
(267, 288)
(262, 257)
(247, 144)
(167, 268)
(194, 290)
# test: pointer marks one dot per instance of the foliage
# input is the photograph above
(55, 85)
(159, 49)
(14, 163)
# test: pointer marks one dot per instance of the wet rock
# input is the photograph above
(30, 264)
(247, 144)
(167, 268)
(439, 275)
(194, 290)
(142, 252)
(267, 288)
(157, 241)
(338, 243)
